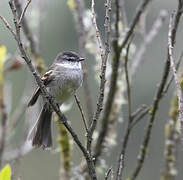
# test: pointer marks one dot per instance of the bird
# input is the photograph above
(62, 79)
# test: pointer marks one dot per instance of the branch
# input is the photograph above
(108, 173)
(82, 113)
(96, 29)
(111, 94)
(171, 79)
(25, 26)
(104, 57)
(23, 12)
(138, 59)
(141, 116)
(80, 7)
(8, 26)
(130, 120)
(138, 110)
(170, 54)
(135, 21)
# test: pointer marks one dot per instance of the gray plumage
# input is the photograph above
(62, 80)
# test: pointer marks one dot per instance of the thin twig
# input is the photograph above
(128, 83)
(80, 8)
(23, 12)
(135, 20)
(104, 56)
(130, 119)
(178, 87)
(171, 79)
(8, 26)
(141, 116)
(138, 110)
(81, 111)
(108, 173)
(26, 29)
(138, 59)
(96, 28)
(111, 94)
(158, 96)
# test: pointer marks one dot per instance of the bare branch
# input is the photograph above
(104, 56)
(8, 26)
(138, 110)
(130, 120)
(96, 28)
(80, 8)
(108, 173)
(82, 113)
(138, 59)
(171, 79)
(141, 116)
(136, 18)
(170, 54)
(23, 12)
(110, 96)
(26, 28)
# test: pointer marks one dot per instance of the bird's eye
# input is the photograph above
(71, 59)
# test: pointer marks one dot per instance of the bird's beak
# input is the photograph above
(81, 59)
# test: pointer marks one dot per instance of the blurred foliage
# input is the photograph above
(3, 52)
(64, 145)
(40, 65)
(71, 4)
(5, 173)
(173, 112)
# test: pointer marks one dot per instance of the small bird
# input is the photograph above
(62, 79)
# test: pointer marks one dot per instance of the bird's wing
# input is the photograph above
(47, 78)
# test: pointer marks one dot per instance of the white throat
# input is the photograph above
(71, 65)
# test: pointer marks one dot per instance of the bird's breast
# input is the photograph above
(65, 84)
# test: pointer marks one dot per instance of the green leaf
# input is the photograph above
(5, 173)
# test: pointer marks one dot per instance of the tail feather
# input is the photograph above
(34, 97)
(41, 132)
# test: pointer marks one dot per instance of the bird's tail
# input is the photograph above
(41, 132)
(34, 97)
